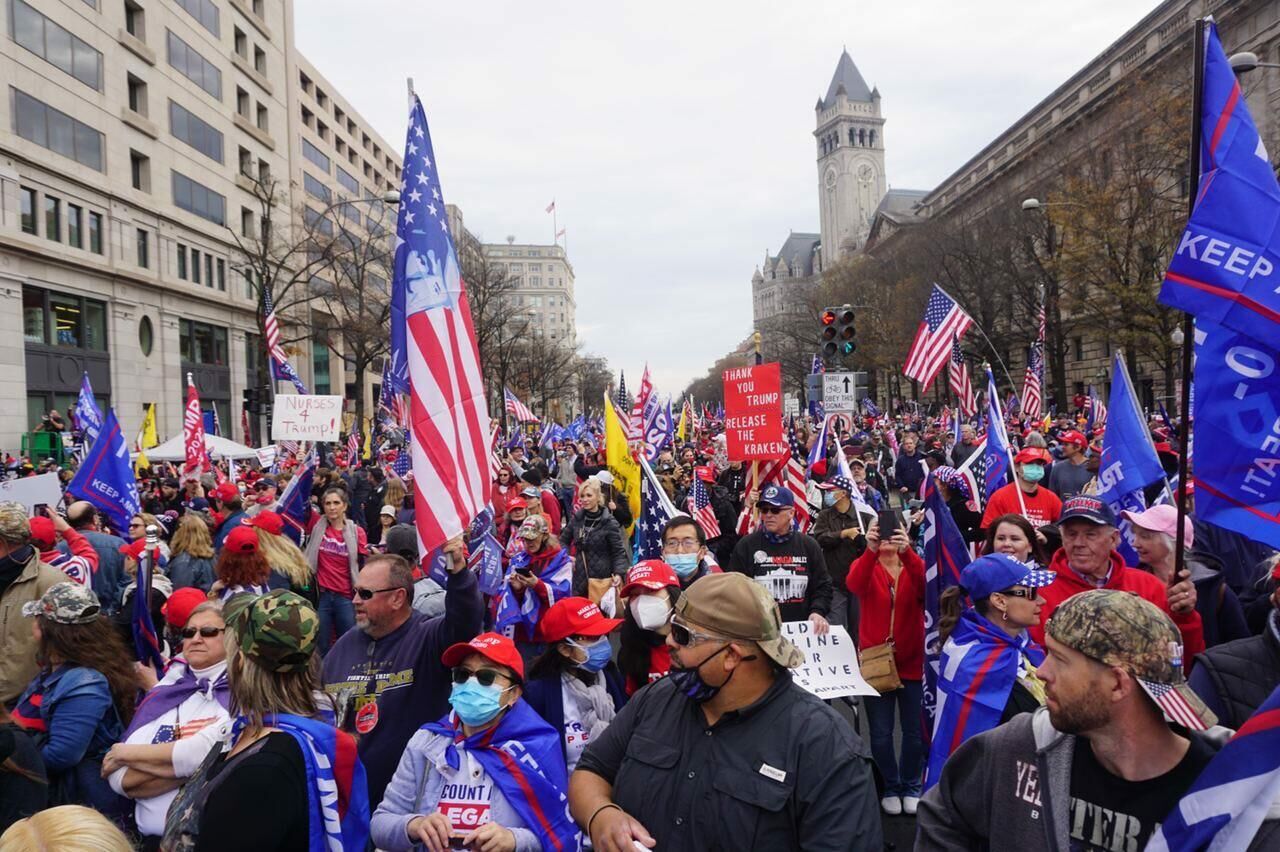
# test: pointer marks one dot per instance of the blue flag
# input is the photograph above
(659, 430)
(1129, 462)
(210, 422)
(145, 640)
(945, 556)
(88, 415)
(295, 503)
(1237, 451)
(1224, 264)
(105, 478)
(997, 449)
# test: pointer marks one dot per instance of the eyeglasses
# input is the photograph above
(367, 594)
(773, 510)
(262, 487)
(682, 545)
(206, 632)
(1029, 594)
(485, 677)
(683, 636)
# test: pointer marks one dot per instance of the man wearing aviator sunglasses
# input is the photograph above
(727, 751)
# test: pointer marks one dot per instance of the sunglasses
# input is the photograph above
(1029, 594)
(485, 677)
(773, 510)
(206, 632)
(262, 487)
(684, 637)
(367, 594)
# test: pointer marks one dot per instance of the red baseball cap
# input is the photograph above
(1032, 454)
(43, 534)
(134, 548)
(574, 617)
(242, 539)
(226, 492)
(491, 646)
(267, 521)
(177, 610)
(651, 574)
(1071, 436)
(705, 472)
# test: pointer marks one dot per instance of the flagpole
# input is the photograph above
(1188, 321)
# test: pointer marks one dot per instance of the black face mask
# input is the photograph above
(690, 682)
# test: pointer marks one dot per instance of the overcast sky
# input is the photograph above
(676, 138)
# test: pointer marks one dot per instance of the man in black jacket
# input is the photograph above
(842, 536)
(1234, 678)
(786, 562)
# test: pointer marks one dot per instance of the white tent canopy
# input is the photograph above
(219, 448)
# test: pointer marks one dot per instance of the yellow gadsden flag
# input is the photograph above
(147, 436)
(625, 469)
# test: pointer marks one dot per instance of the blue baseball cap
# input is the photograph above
(775, 496)
(1087, 508)
(996, 572)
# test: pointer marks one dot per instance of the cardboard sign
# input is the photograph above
(753, 413)
(830, 668)
(32, 490)
(305, 417)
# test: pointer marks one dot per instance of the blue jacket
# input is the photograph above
(187, 570)
(546, 696)
(109, 580)
(81, 719)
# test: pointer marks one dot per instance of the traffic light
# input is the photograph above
(838, 332)
(828, 333)
(252, 398)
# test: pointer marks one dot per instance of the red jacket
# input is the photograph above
(869, 580)
(1125, 579)
(1043, 507)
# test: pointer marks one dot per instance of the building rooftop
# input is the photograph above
(900, 205)
(797, 245)
(855, 88)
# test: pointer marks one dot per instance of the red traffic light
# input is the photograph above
(828, 317)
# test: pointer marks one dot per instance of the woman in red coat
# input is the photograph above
(889, 577)
(506, 491)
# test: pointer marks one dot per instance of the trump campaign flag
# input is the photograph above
(945, 555)
(105, 479)
(88, 415)
(996, 452)
(197, 454)
(433, 354)
(1224, 264)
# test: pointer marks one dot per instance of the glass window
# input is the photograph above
(34, 327)
(68, 325)
(347, 181)
(95, 325)
(47, 127)
(199, 199)
(182, 261)
(195, 266)
(144, 249)
(28, 199)
(201, 343)
(75, 216)
(320, 367)
(184, 339)
(196, 132)
(95, 233)
(146, 336)
(208, 269)
(193, 66)
(315, 155)
(56, 45)
(315, 188)
(52, 219)
(204, 12)
(318, 221)
(222, 275)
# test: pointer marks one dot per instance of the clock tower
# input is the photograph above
(851, 176)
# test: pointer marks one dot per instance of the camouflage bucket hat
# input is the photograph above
(65, 603)
(277, 630)
(1121, 629)
(736, 607)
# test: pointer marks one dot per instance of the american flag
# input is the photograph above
(353, 446)
(943, 320)
(1174, 705)
(789, 472)
(517, 409)
(974, 470)
(623, 399)
(281, 369)
(656, 509)
(635, 427)
(1033, 381)
(433, 338)
(197, 455)
(1096, 412)
(961, 385)
(391, 402)
(701, 510)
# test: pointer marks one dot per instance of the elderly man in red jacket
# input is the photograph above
(1088, 560)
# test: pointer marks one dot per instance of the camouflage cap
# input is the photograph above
(15, 525)
(736, 607)
(65, 603)
(1121, 629)
(278, 630)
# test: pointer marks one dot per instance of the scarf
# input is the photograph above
(554, 568)
(522, 755)
(337, 793)
(774, 538)
(976, 672)
(594, 702)
(164, 697)
(11, 566)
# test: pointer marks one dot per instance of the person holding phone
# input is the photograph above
(542, 570)
(78, 561)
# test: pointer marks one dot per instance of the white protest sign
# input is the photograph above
(32, 490)
(830, 667)
(790, 406)
(266, 455)
(305, 417)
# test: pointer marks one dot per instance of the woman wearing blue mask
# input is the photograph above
(457, 782)
(574, 685)
(684, 548)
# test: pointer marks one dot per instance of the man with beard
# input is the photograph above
(1099, 767)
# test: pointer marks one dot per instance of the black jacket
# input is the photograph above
(839, 552)
(1236, 677)
(794, 571)
(598, 551)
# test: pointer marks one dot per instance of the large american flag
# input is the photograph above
(943, 320)
(789, 473)
(656, 509)
(517, 409)
(1033, 381)
(434, 356)
(281, 369)
(1095, 410)
(197, 455)
(700, 508)
(353, 446)
(623, 399)
(961, 384)
(635, 426)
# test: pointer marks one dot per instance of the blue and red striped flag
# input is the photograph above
(945, 556)
(337, 792)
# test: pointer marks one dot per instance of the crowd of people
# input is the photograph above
(320, 683)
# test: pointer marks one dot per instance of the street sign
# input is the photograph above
(839, 391)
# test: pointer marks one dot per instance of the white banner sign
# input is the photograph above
(32, 491)
(830, 667)
(790, 406)
(266, 455)
(305, 417)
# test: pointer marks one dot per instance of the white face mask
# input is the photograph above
(650, 611)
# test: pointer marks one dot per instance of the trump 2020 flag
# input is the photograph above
(1224, 264)
(996, 453)
(88, 415)
(434, 355)
(945, 555)
(105, 478)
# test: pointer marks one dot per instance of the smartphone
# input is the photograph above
(915, 505)
(525, 571)
(39, 510)
(889, 523)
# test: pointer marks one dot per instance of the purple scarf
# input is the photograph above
(164, 697)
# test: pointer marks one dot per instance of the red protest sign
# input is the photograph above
(753, 413)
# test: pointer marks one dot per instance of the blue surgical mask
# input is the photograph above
(475, 704)
(683, 564)
(1032, 472)
(598, 654)
(828, 498)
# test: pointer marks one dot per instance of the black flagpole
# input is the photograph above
(1188, 321)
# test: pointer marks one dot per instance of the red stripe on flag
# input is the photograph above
(1224, 118)
(978, 678)
(1230, 295)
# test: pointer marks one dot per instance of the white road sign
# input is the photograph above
(839, 392)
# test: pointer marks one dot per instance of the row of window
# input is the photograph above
(56, 45)
(204, 12)
(51, 128)
(188, 62)
(348, 151)
(196, 132)
(76, 234)
(191, 271)
(195, 197)
(58, 319)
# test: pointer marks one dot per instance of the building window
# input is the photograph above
(47, 127)
(260, 61)
(257, 8)
(246, 222)
(315, 188)
(182, 262)
(241, 43)
(56, 45)
(95, 232)
(315, 155)
(202, 343)
(347, 181)
(195, 131)
(75, 234)
(320, 364)
(140, 171)
(195, 266)
(264, 171)
(242, 103)
(208, 270)
(193, 66)
(245, 160)
(205, 12)
(199, 199)
(137, 94)
(56, 319)
(1077, 343)
(135, 20)
(28, 198)
(262, 117)
(52, 219)
(222, 275)
(146, 336)
(144, 249)
(318, 221)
